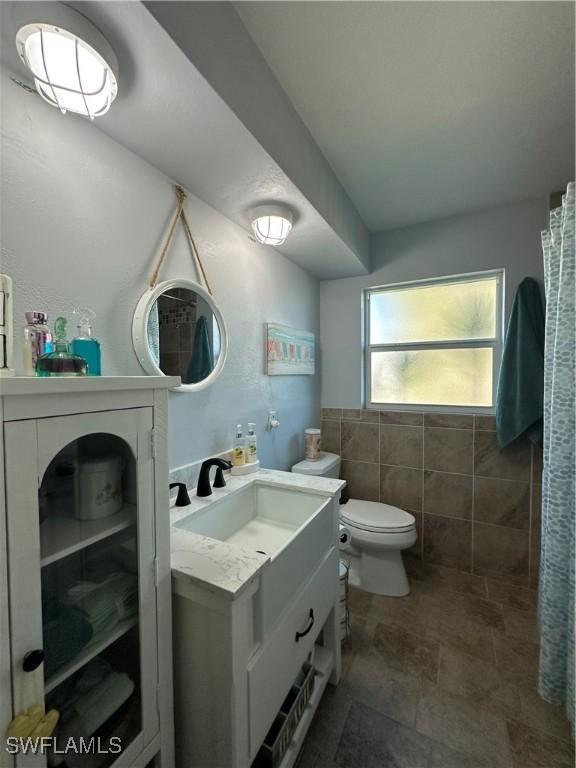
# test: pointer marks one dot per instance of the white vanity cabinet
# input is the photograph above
(243, 628)
(88, 566)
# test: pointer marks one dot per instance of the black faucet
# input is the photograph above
(204, 488)
(182, 500)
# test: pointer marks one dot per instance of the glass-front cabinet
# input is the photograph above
(80, 492)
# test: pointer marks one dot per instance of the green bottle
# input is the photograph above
(61, 362)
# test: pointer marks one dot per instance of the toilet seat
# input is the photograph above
(375, 517)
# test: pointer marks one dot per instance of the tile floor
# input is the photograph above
(443, 678)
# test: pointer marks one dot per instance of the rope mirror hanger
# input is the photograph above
(179, 216)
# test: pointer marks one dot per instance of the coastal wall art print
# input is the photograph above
(289, 351)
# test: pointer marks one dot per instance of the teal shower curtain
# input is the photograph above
(557, 561)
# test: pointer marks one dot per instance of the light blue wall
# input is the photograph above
(82, 223)
(507, 237)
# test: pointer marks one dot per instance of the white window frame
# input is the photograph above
(496, 344)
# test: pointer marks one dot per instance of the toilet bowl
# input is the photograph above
(378, 534)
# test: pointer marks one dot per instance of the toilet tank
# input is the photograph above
(328, 465)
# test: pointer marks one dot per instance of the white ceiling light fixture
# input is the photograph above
(271, 224)
(74, 67)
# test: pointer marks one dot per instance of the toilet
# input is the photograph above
(378, 534)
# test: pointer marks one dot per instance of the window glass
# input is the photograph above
(461, 377)
(434, 312)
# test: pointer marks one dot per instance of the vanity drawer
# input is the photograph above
(273, 669)
(294, 566)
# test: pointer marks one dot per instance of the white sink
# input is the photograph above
(260, 517)
(291, 526)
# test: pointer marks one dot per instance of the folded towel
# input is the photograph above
(66, 630)
(96, 706)
(520, 398)
(106, 602)
(95, 696)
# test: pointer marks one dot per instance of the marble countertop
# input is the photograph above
(223, 568)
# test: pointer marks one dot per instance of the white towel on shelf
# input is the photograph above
(106, 602)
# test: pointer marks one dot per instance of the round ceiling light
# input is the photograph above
(69, 72)
(271, 224)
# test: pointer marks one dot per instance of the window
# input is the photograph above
(434, 343)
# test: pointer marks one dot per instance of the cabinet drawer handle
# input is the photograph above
(308, 628)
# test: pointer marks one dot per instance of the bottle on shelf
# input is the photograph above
(84, 344)
(61, 361)
(238, 454)
(37, 340)
(251, 446)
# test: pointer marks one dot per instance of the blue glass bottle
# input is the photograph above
(85, 344)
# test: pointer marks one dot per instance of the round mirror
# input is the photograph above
(179, 331)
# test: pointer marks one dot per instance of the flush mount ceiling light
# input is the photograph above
(271, 224)
(74, 66)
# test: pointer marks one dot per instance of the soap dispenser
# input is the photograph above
(251, 445)
(238, 455)
(61, 361)
(85, 345)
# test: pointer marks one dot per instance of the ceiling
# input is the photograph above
(168, 114)
(428, 109)
(422, 109)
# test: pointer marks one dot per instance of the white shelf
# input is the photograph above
(98, 644)
(56, 385)
(61, 536)
(323, 664)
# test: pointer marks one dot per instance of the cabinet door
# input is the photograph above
(81, 531)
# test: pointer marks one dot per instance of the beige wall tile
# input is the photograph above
(406, 418)
(512, 463)
(452, 448)
(448, 495)
(448, 450)
(400, 446)
(485, 423)
(455, 420)
(330, 436)
(363, 480)
(331, 413)
(500, 550)
(370, 416)
(360, 441)
(401, 487)
(502, 502)
(448, 541)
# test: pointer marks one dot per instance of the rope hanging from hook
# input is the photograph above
(179, 215)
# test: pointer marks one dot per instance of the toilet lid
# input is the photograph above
(373, 516)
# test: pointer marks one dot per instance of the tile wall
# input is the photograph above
(477, 508)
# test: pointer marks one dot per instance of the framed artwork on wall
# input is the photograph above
(289, 351)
